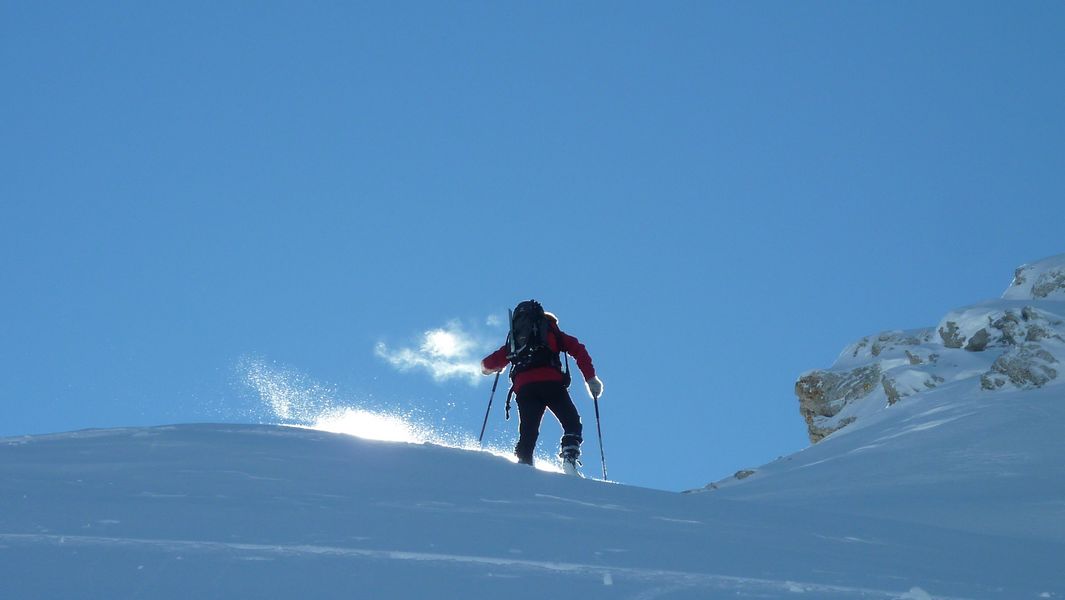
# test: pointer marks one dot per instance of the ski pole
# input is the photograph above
(599, 429)
(490, 397)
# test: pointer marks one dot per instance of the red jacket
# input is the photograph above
(497, 361)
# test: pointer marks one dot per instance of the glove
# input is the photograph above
(486, 371)
(595, 387)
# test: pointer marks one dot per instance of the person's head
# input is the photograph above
(528, 306)
(533, 308)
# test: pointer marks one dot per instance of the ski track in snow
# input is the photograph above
(583, 503)
(684, 521)
(672, 580)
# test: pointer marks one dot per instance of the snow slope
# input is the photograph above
(230, 511)
(939, 473)
(954, 459)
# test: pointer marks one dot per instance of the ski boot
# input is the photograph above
(570, 462)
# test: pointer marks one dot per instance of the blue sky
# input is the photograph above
(714, 197)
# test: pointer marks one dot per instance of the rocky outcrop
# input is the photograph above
(1027, 366)
(888, 342)
(949, 333)
(1007, 344)
(901, 384)
(823, 394)
(1042, 280)
(998, 324)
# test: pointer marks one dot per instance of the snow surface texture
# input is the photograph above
(230, 511)
(1015, 343)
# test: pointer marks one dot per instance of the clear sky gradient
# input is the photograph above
(713, 196)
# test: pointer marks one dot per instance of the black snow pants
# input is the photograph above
(533, 399)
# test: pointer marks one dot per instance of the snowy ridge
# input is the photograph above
(1011, 343)
(1041, 280)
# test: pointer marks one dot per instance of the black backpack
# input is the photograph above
(527, 343)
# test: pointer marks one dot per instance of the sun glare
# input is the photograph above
(369, 425)
(443, 343)
(391, 428)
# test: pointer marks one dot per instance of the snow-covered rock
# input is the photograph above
(1041, 280)
(1027, 366)
(1013, 342)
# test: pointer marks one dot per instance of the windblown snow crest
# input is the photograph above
(291, 398)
